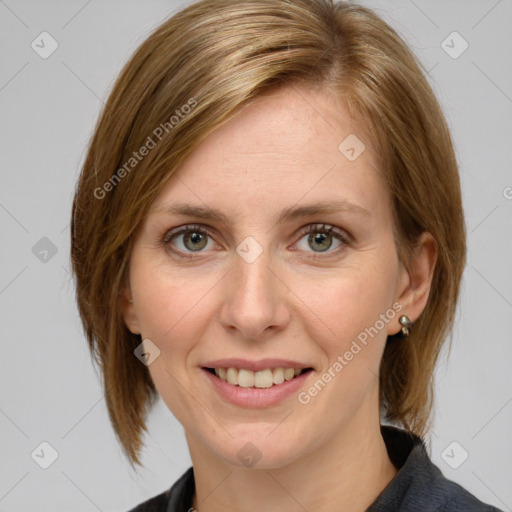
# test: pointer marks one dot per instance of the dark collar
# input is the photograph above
(419, 485)
(408, 454)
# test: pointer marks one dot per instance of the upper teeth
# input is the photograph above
(261, 379)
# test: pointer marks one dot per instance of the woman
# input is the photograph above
(268, 234)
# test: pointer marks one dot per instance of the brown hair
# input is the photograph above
(190, 76)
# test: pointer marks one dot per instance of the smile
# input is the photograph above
(260, 379)
(243, 392)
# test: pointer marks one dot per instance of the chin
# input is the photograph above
(257, 453)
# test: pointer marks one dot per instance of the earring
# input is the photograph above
(130, 300)
(406, 324)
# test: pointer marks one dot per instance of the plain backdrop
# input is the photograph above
(49, 390)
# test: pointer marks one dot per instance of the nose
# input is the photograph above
(255, 298)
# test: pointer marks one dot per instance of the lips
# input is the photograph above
(253, 396)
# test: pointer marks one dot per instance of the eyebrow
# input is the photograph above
(288, 214)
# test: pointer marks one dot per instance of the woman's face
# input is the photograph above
(256, 286)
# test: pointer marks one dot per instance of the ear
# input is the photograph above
(127, 308)
(416, 281)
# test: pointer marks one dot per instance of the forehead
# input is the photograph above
(286, 145)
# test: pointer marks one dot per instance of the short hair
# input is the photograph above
(192, 75)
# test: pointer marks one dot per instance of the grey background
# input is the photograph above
(49, 390)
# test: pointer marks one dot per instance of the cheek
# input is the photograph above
(170, 313)
(352, 307)
(167, 301)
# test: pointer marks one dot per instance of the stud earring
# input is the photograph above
(130, 300)
(406, 324)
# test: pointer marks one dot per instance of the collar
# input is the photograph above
(418, 485)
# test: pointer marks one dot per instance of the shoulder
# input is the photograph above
(178, 497)
(448, 496)
(419, 484)
(155, 504)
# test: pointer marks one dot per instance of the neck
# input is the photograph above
(352, 469)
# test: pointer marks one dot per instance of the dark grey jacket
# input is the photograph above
(419, 485)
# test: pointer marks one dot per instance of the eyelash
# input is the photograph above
(311, 228)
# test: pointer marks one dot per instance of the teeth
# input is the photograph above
(246, 378)
(278, 376)
(261, 379)
(232, 375)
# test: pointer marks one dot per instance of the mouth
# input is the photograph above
(263, 379)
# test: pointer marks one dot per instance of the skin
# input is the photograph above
(278, 152)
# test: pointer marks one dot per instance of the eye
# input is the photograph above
(194, 239)
(321, 237)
